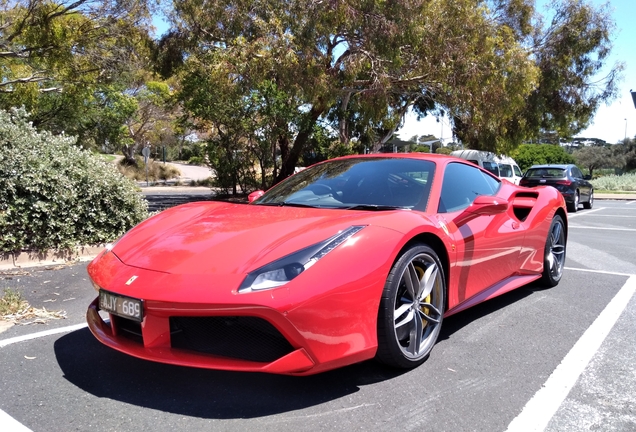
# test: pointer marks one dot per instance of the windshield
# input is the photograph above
(357, 183)
(546, 172)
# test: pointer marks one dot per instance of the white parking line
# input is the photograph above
(4, 343)
(587, 212)
(614, 216)
(9, 424)
(598, 271)
(601, 228)
(537, 413)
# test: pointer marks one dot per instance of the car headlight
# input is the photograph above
(285, 269)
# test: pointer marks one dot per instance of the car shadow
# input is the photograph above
(458, 321)
(104, 372)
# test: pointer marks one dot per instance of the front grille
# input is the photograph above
(243, 337)
(127, 328)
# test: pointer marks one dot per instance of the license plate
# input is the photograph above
(123, 306)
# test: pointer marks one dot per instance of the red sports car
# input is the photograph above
(353, 258)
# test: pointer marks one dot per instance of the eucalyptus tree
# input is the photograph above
(569, 47)
(353, 67)
(62, 59)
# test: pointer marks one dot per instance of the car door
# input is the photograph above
(488, 247)
(518, 174)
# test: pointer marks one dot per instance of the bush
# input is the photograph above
(625, 182)
(54, 195)
(196, 160)
(527, 155)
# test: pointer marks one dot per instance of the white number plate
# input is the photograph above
(123, 306)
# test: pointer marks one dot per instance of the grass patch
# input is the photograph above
(11, 303)
(613, 192)
(156, 170)
(107, 157)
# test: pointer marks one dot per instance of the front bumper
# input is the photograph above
(155, 339)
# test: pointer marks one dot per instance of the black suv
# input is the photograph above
(568, 179)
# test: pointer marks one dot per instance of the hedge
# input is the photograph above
(55, 195)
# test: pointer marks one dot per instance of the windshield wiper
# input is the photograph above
(374, 207)
(286, 204)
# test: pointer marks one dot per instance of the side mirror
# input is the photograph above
(255, 195)
(484, 205)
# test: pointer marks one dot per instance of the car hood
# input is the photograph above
(225, 238)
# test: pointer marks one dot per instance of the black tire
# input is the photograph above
(554, 253)
(573, 207)
(590, 202)
(410, 315)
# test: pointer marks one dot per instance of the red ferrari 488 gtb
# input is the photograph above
(354, 258)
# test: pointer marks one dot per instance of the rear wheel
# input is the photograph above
(572, 208)
(554, 253)
(411, 308)
(590, 202)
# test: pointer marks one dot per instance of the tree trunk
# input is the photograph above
(289, 163)
(129, 153)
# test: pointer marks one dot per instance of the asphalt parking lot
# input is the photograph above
(560, 359)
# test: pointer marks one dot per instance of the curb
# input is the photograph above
(21, 260)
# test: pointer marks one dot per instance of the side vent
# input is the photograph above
(522, 204)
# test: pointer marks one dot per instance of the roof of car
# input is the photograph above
(560, 166)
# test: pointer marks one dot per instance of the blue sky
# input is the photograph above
(612, 122)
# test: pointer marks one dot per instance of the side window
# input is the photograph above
(505, 170)
(518, 172)
(576, 172)
(462, 184)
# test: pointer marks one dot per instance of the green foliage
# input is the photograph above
(277, 72)
(626, 154)
(527, 155)
(54, 195)
(594, 157)
(625, 182)
(60, 59)
(11, 302)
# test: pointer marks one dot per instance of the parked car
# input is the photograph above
(353, 258)
(509, 170)
(484, 159)
(568, 179)
(501, 166)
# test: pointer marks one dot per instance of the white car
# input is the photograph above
(502, 166)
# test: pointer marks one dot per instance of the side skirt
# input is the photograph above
(498, 289)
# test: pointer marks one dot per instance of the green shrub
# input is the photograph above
(625, 182)
(196, 160)
(527, 155)
(54, 195)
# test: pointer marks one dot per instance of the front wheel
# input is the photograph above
(411, 308)
(554, 253)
